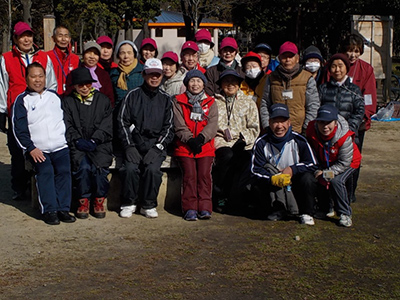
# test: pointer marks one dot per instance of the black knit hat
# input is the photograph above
(312, 52)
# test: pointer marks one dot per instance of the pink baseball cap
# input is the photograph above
(190, 45)
(149, 41)
(288, 47)
(229, 42)
(203, 35)
(171, 55)
(21, 27)
(104, 39)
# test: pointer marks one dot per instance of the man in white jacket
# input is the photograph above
(39, 130)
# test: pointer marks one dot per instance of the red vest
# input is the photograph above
(182, 149)
(15, 67)
(63, 64)
(318, 147)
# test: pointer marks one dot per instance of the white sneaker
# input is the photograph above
(331, 213)
(127, 211)
(149, 213)
(307, 219)
(345, 220)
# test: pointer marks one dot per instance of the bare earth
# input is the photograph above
(228, 257)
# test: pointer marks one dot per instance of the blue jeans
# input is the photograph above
(53, 181)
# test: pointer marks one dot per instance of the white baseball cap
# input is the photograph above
(153, 65)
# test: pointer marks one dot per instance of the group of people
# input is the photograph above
(287, 133)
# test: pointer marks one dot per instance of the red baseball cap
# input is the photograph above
(203, 35)
(288, 47)
(251, 56)
(229, 42)
(171, 55)
(149, 41)
(104, 39)
(21, 27)
(190, 45)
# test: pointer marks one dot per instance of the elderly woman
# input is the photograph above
(148, 49)
(313, 62)
(341, 93)
(88, 120)
(91, 56)
(228, 51)
(106, 54)
(128, 75)
(238, 128)
(254, 81)
(338, 158)
(173, 75)
(206, 45)
(196, 120)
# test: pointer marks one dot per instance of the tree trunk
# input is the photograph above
(27, 4)
(146, 31)
(80, 36)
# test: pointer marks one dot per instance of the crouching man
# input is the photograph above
(39, 129)
(145, 123)
(283, 165)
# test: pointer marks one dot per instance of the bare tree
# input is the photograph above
(27, 5)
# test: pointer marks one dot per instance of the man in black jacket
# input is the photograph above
(145, 129)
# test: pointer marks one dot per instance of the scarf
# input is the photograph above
(253, 82)
(88, 99)
(124, 71)
(106, 64)
(195, 100)
(327, 138)
(97, 85)
(279, 142)
(286, 74)
(206, 58)
(232, 65)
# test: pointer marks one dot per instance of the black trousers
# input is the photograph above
(20, 177)
(303, 188)
(230, 173)
(141, 183)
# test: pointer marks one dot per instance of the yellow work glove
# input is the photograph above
(280, 180)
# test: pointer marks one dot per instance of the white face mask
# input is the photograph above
(253, 73)
(313, 66)
(203, 47)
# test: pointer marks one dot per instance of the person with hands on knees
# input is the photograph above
(338, 157)
(238, 128)
(88, 120)
(39, 129)
(196, 120)
(282, 166)
(145, 127)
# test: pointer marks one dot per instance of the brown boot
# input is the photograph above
(98, 208)
(83, 209)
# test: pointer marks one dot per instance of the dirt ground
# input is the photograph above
(227, 257)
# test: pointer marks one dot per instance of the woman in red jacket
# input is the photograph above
(196, 122)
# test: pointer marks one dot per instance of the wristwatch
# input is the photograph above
(160, 146)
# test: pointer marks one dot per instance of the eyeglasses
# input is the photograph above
(87, 84)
